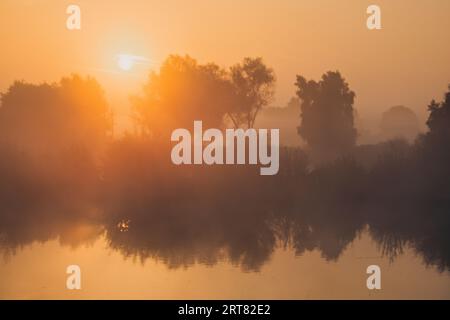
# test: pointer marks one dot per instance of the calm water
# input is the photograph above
(213, 268)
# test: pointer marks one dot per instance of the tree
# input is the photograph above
(399, 122)
(434, 153)
(181, 92)
(254, 84)
(54, 116)
(439, 121)
(435, 143)
(327, 115)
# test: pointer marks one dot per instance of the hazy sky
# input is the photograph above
(407, 62)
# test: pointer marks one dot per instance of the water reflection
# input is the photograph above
(243, 226)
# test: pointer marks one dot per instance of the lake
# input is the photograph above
(38, 271)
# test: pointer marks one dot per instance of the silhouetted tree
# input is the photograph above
(439, 121)
(53, 116)
(254, 85)
(327, 115)
(434, 151)
(181, 92)
(399, 122)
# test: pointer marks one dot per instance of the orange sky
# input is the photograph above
(405, 63)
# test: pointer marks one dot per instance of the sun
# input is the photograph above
(125, 62)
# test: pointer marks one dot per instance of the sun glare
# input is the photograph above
(125, 62)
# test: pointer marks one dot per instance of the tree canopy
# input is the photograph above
(439, 119)
(52, 116)
(327, 122)
(184, 90)
(254, 84)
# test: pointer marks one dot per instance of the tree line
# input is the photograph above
(60, 165)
